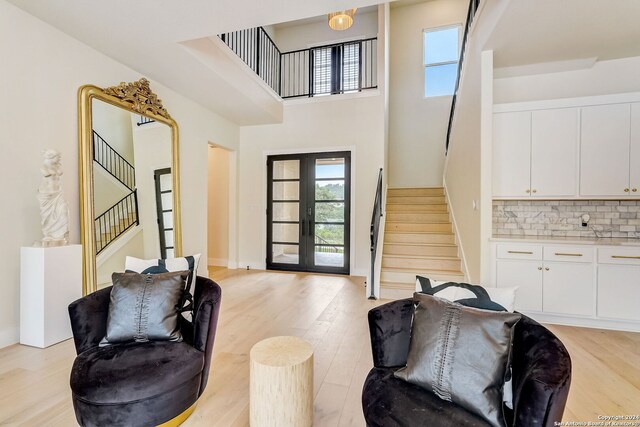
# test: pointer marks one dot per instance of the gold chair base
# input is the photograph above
(176, 421)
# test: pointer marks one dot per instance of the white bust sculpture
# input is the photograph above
(54, 211)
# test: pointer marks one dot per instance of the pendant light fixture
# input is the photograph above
(341, 20)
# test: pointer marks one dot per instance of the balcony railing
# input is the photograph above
(322, 70)
(258, 51)
(331, 69)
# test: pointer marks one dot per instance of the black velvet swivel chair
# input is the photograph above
(140, 384)
(541, 377)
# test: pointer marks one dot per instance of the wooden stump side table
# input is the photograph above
(281, 375)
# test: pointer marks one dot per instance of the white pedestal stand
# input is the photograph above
(50, 279)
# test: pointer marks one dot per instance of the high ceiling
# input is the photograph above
(146, 34)
(540, 31)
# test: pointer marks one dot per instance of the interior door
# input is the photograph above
(308, 212)
(164, 206)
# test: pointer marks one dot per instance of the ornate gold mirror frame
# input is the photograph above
(135, 97)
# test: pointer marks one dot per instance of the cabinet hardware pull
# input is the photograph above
(625, 257)
(520, 252)
(539, 268)
(566, 254)
(626, 190)
(534, 191)
(528, 191)
(634, 189)
(546, 268)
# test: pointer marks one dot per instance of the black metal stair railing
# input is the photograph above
(116, 220)
(322, 70)
(471, 13)
(374, 232)
(258, 51)
(113, 162)
(143, 120)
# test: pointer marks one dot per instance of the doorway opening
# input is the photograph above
(218, 210)
(308, 212)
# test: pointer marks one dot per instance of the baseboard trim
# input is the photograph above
(9, 336)
(463, 258)
(584, 322)
(218, 262)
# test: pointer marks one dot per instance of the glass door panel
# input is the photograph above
(284, 212)
(308, 212)
(329, 207)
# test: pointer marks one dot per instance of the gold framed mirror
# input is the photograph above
(129, 179)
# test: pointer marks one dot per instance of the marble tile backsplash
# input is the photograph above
(616, 218)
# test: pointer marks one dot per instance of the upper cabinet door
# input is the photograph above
(604, 150)
(512, 154)
(634, 157)
(554, 152)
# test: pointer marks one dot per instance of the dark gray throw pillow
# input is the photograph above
(144, 307)
(461, 354)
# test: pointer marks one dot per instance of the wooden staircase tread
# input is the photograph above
(432, 257)
(448, 233)
(419, 222)
(446, 245)
(397, 285)
(423, 270)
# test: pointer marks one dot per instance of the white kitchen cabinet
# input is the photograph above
(604, 150)
(576, 284)
(512, 154)
(554, 152)
(634, 150)
(568, 288)
(619, 292)
(535, 153)
(527, 276)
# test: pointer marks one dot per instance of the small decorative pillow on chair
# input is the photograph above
(144, 307)
(461, 354)
(155, 266)
(487, 298)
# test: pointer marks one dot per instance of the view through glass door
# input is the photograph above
(308, 212)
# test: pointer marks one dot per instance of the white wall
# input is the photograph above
(465, 179)
(294, 37)
(605, 77)
(417, 125)
(218, 206)
(338, 123)
(113, 124)
(41, 73)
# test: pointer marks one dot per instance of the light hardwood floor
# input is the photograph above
(330, 312)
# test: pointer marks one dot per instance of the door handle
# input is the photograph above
(303, 227)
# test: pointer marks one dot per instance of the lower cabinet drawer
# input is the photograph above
(619, 292)
(621, 255)
(569, 253)
(510, 251)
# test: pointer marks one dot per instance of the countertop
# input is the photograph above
(604, 241)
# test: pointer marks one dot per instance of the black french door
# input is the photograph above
(308, 211)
